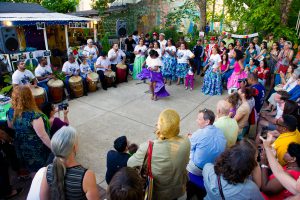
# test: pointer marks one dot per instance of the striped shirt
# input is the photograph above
(73, 181)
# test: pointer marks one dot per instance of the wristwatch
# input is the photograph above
(264, 166)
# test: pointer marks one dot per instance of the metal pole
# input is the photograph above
(67, 38)
(95, 32)
(46, 45)
(298, 22)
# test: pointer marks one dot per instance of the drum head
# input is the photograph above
(37, 91)
(75, 79)
(121, 66)
(93, 76)
(109, 73)
(55, 83)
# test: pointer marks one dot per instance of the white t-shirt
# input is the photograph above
(141, 50)
(87, 51)
(290, 84)
(162, 44)
(279, 111)
(151, 63)
(85, 68)
(42, 71)
(171, 48)
(22, 78)
(70, 67)
(103, 63)
(111, 53)
(184, 55)
(34, 192)
(214, 60)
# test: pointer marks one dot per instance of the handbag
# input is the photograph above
(146, 173)
(220, 188)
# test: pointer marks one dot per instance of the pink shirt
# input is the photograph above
(237, 67)
(224, 66)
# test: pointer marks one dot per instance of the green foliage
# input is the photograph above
(105, 43)
(8, 88)
(261, 16)
(59, 75)
(61, 6)
(101, 5)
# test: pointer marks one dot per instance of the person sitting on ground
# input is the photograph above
(207, 143)
(228, 125)
(287, 127)
(65, 178)
(56, 123)
(229, 178)
(271, 186)
(268, 119)
(115, 160)
(169, 158)
(125, 185)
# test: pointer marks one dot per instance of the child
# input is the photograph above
(251, 66)
(262, 72)
(157, 86)
(84, 70)
(233, 99)
(225, 63)
(132, 149)
(189, 79)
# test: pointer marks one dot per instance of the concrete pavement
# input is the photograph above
(128, 110)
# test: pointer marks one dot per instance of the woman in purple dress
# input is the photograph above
(152, 72)
(55, 122)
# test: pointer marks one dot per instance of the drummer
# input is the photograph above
(23, 76)
(103, 64)
(85, 69)
(116, 56)
(91, 51)
(43, 73)
(70, 68)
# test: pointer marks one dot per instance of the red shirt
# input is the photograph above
(262, 73)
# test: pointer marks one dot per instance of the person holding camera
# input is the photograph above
(55, 122)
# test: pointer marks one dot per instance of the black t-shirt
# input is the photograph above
(130, 44)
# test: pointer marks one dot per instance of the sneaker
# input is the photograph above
(191, 89)
(186, 88)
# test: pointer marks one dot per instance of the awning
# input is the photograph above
(32, 18)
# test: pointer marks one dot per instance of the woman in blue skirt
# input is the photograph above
(169, 61)
(183, 56)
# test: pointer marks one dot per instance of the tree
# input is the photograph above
(62, 6)
(201, 4)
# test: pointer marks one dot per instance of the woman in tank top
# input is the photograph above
(65, 178)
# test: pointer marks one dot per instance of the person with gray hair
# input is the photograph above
(228, 125)
(65, 178)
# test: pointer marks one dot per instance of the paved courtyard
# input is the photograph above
(128, 110)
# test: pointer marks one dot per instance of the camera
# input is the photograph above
(242, 80)
(63, 106)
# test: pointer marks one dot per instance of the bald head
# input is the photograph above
(223, 107)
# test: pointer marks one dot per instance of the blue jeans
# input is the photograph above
(198, 64)
(44, 85)
(226, 75)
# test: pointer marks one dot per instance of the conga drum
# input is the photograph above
(56, 90)
(121, 72)
(109, 77)
(92, 80)
(39, 95)
(76, 86)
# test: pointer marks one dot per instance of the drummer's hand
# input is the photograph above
(5, 137)
(35, 85)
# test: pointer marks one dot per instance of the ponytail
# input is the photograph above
(58, 171)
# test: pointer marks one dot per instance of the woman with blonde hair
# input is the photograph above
(169, 158)
(31, 140)
(65, 178)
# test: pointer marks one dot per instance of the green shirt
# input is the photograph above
(230, 129)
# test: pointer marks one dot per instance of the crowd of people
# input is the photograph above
(248, 149)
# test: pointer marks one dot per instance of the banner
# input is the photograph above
(241, 36)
